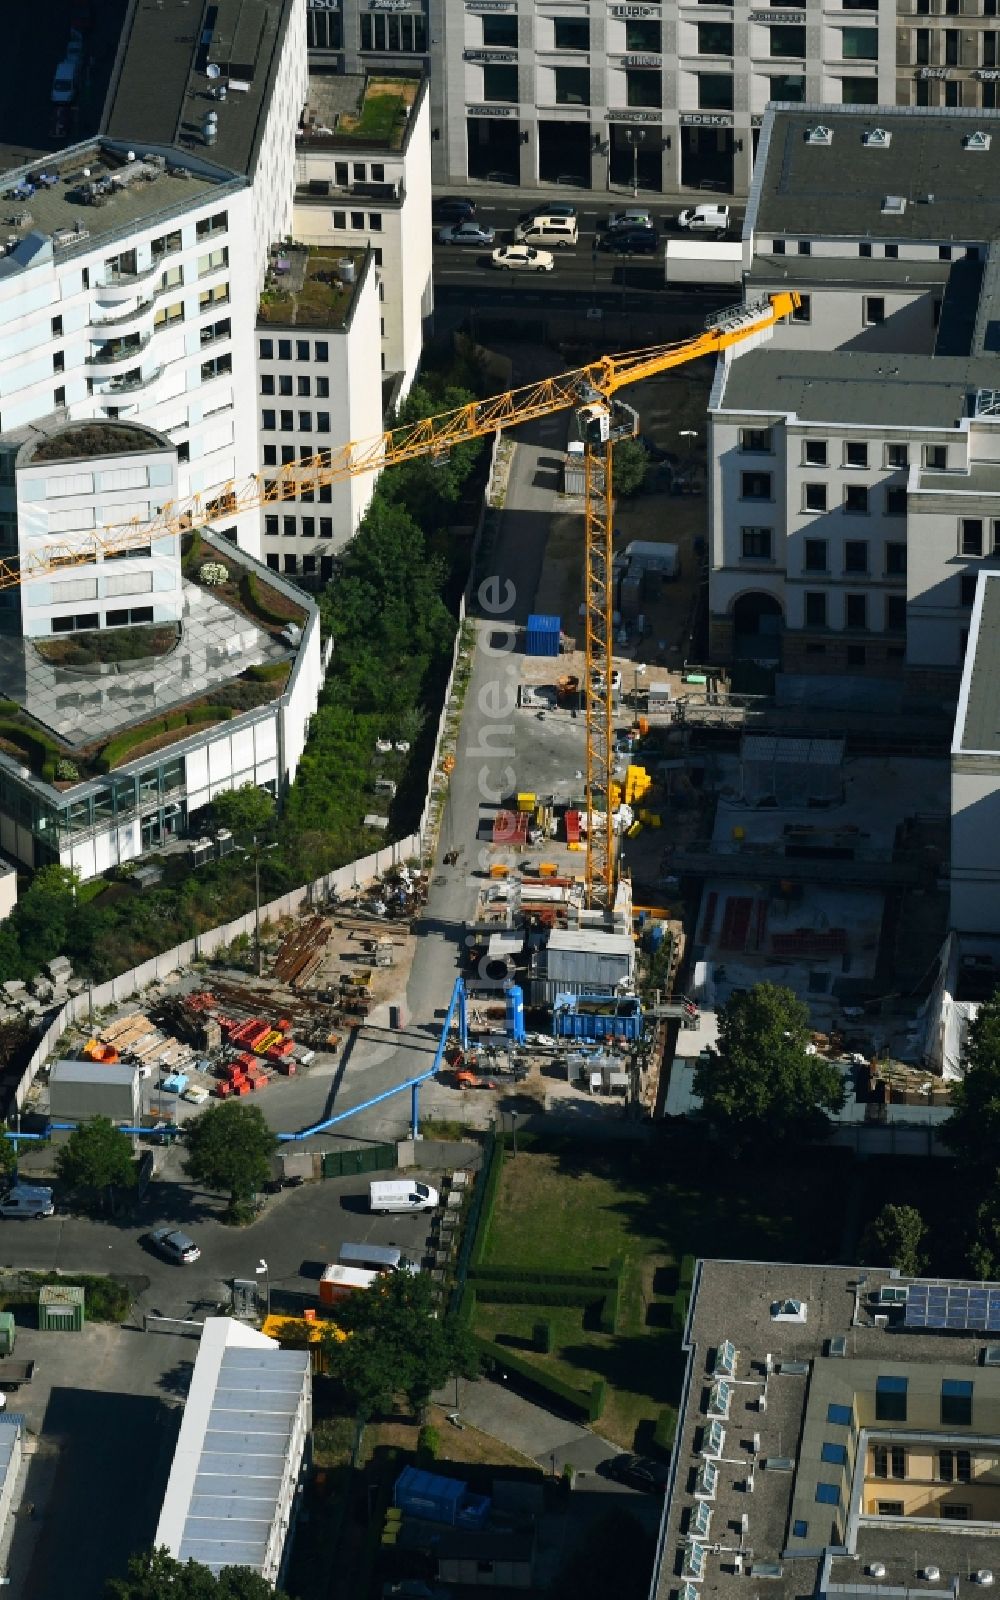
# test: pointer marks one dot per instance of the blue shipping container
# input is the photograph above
(542, 636)
(596, 1016)
(438, 1499)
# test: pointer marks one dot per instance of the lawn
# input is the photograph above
(569, 1206)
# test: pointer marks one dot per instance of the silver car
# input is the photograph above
(467, 232)
(174, 1246)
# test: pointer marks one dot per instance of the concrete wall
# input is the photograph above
(8, 890)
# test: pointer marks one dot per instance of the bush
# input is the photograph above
(428, 1446)
(491, 1184)
(543, 1338)
(612, 1300)
(597, 1397)
(260, 604)
(679, 1312)
(536, 1294)
(117, 750)
(685, 1277)
(597, 1280)
(665, 1430)
(268, 672)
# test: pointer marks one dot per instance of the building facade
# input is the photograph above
(855, 462)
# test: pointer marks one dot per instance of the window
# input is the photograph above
(971, 536)
(500, 83)
(326, 527)
(572, 86)
(287, 454)
(271, 526)
(864, 251)
(284, 349)
(778, 246)
(206, 226)
(305, 421)
(270, 455)
(897, 455)
(273, 561)
(59, 361)
(787, 40)
(756, 441)
(880, 1461)
(59, 397)
(800, 1529)
(895, 560)
(756, 544)
(288, 422)
(216, 368)
(643, 88)
(936, 457)
(956, 1394)
(788, 86)
(322, 422)
(378, 172)
(715, 38)
(814, 497)
(859, 44)
(835, 1454)
(267, 421)
(803, 311)
(989, 49)
(322, 350)
(375, 221)
(267, 383)
(895, 613)
(856, 611)
(944, 252)
(571, 33)
(858, 91)
(322, 388)
(308, 527)
(828, 1494)
(816, 609)
(303, 387)
(643, 37)
(715, 91)
(895, 500)
(955, 1513)
(890, 1394)
(967, 597)
(755, 485)
(897, 1461)
(856, 555)
(891, 252)
(889, 1508)
(57, 327)
(289, 527)
(500, 31)
(815, 557)
(340, 219)
(856, 500)
(403, 34)
(814, 452)
(923, 47)
(213, 262)
(874, 310)
(302, 349)
(855, 454)
(951, 38)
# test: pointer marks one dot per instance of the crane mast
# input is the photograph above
(590, 391)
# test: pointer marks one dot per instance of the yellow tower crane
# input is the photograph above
(590, 391)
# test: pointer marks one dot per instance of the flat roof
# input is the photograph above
(852, 387)
(165, 75)
(767, 269)
(952, 191)
(92, 1072)
(820, 1407)
(360, 111)
(225, 1490)
(311, 286)
(977, 723)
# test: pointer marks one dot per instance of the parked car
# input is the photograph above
(468, 232)
(27, 1200)
(553, 208)
(174, 1246)
(637, 1472)
(64, 82)
(522, 258)
(452, 208)
(631, 241)
(548, 230)
(634, 217)
(705, 219)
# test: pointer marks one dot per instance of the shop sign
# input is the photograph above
(634, 116)
(934, 72)
(987, 74)
(634, 11)
(777, 16)
(491, 111)
(324, 5)
(491, 5)
(705, 119)
(641, 61)
(490, 57)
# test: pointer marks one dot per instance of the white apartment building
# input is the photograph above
(855, 461)
(598, 94)
(363, 179)
(319, 387)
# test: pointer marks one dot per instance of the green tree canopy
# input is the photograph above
(229, 1147)
(398, 1345)
(157, 1575)
(973, 1129)
(244, 811)
(893, 1239)
(97, 1156)
(631, 462)
(759, 1086)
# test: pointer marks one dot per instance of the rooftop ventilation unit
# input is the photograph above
(714, 1441)
(778, 1464)
(984, 1577)
(877, 139)
(977, 141)
(876, 1569)
(893, 205)
(930, 1574)
(700, 1524)
(820, 134)
(837, 1346)
(688, 1592)
(725, 1360)
(706, 1481)
(694, 1561)
(788, 1311)
(991, 1354)
(720, 1399)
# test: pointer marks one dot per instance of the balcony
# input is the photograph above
(117, 286)
(129, 382)
(123, 318)
(117, 353)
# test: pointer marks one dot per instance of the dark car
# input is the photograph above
(631, 241)
(452, 208)
(174, 1246)
(637, 1472)
(557, 208)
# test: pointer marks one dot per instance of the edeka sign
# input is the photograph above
(704, 119)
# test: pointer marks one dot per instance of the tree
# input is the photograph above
(157, 1575)
(760, 1085)
(628, 472)
(973, 1129)
(984, 1242)
(398, 1344)
(97, 1156)
(893, 1239)
(229, 1147)
(244, 811)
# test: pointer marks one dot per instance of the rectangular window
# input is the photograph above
(288, 422)
(814, 497)
(880, 1461)
(890, 1393)
(890, 1508)
(897, 455)
(755, 485)
(803, 311)
(856, 556)
(815, 555)
(946, 1466)
(814, 452)
(644, 89)
(971, 536)
(308, 527)
(800, 1529)
(951, 42)
(816, 609)
(956, 1394)
(856, 611)
(859, 44)
(897, 1458)
(874, 310)
(715, 38)
(855, 454)
(375, 221)
(788, 86)
(500, 84)
(572, 86)
(843, 1416)
(322, 422)
(828, 1494)
(756, 441)
(756, 544)
(787, 40)
(571, 33)
(57, 327)
(322, 388)
(954, 1513)
(643, 37)
(895, 560)
(858, 91)
(864, 251)
(936, 457)
(289, 527)
(322, 349)
(895, 500)
(271, 526)
(267, 421)
(891, 252)
(267, 383)
(715, 91)
(501, 32)
(856, 500)
(270, 455)
(213, 262)
(895, 613)
(923, 47)
(326, 527)
(835, 1454)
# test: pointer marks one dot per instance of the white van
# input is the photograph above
(378, 1258)
(402, 1194)
(24, 1200)
(548, 233)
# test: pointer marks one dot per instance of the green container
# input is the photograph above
(60, 1308)
(7, 1333)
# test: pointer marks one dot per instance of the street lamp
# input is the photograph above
(257, 850)
(690, 434)
(635, 136)
(261, 1271)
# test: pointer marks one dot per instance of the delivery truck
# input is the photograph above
(704, 263)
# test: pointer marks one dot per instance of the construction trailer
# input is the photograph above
(581, 961)
(79, 1090)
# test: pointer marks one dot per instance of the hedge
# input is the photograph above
(612, 1300)
(686, 1276)
(596, 1280)
(543, 1338)
(116, 750)
(666, 1429)
(589, 1402)
(257, 603)
(268, 672)
(40, 751)
(491, 1183)
(535, 1294)
(679, 1312)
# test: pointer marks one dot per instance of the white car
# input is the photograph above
(522, 258)
(705, 219)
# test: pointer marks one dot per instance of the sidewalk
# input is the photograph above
(538, 1434)
(518, 194)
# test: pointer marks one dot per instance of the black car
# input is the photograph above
(452, 208)
(638, 1472)
(631, 241)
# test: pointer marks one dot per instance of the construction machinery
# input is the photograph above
(589, 390)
